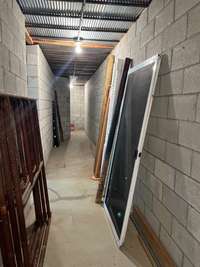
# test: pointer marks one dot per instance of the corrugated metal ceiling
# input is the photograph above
(102, 21)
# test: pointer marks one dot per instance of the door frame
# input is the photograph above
(156, 60)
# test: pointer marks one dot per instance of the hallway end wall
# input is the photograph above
(168, 187)
(77, 99)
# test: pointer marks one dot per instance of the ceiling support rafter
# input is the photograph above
(134, 3)
(76, 14)
(63, 39)
(71, 43)
(74, 28)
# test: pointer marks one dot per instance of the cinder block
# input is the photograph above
(195, 166)
(154, 8)
(153, 221)
(141, 22)
(189, 135)
(187, 53)
(153, 184)
(192, 79)
(4, 57)
(162, 214)
(179, 157)
(194, 222)
(147, 33)
(182, 6)
(32, 70)
(188, 189)
(139, 56)
(14, 64)
(172, 248)
(0, 32)
(198, 109)
(146, 195)
(172, 83)
(176, 205)
(7, 37)
(32, 59)
(165, 66)
(182, 107)
(32, 82)
(23, 70)
(160, 107)
(131, 34)
(186, 242)
(165, 18)
(1, 79)
(175, 33)
(9, 82)
(148, 161)
(165, 173)
(141, 173)
(18, 14)
(164, 128)
(20, 86)
(187, 263)
(156, 146)
(140, 204)
(194, 21)
(154, 47)
(167, 2)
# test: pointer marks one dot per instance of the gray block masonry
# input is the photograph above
(61, 85)
(40, 86)
(77, 100)
(168, 186)
(13, 78)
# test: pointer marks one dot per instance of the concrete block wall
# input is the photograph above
(13, 78)
(61, 85)
(77, 96)
(40, 86)
(93, 101)
(168, 186)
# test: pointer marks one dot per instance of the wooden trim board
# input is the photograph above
(154, 245)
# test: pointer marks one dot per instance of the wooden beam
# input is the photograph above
(152, 242)
(70, 43)
(29, 40)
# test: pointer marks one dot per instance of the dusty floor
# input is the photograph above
(80, 235)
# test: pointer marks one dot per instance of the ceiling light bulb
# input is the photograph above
(78, 48)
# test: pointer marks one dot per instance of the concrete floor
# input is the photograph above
(80, 235)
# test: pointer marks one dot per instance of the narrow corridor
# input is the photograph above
(79, 233)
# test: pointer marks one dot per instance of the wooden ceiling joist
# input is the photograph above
(70, 43)
(29, 40)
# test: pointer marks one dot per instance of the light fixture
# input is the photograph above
(78, 48)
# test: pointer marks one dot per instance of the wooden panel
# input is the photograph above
(103, 117)
(99, 195)
(22, 173)
(151, 241)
